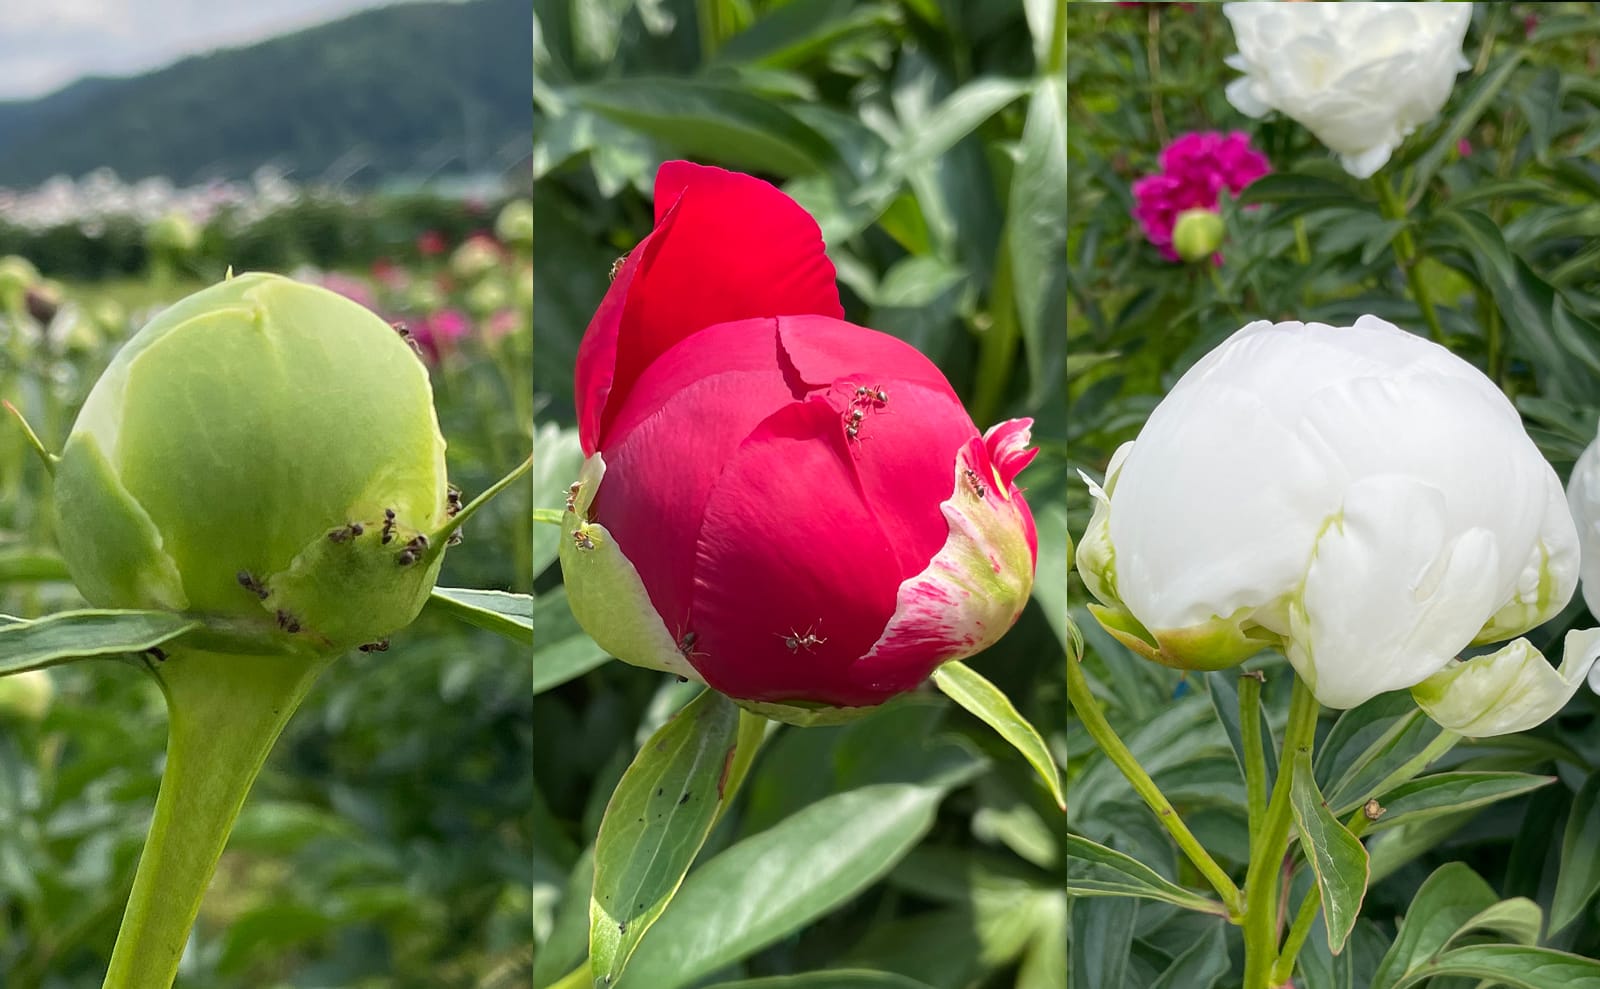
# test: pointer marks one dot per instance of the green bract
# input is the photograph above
(237, 460)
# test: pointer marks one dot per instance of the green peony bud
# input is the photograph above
(487, 296)
(475, 258)
(17, 275)
(263, 454)
(26, 696)
(173, 233)
(1197, 235)
(514, 225)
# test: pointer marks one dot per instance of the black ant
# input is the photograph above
(382, 645)
(288, 622)
(346, 532)
(795, 641)
(252, 585)
(388, 525)
(977, 486)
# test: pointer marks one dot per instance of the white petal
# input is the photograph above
(1508, 691)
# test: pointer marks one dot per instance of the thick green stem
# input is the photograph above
(225, 712)
(1105, 737)
(1271, 842)
(1405, 248)
(997, 347)
(1255, 760)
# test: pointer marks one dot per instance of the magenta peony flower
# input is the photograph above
(438, 332)
(1194, 170)
(353, 289)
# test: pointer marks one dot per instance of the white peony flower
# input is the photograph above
(1583, 497)
(1360, 76)
(1358, 497)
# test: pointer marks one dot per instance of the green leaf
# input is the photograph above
(72, 635)
(964, 685)
(844, 978)
(1578, 877)
(510, 615)
(801, 30)
(714, 122)
(1445, 901)
(1095, 870)
(1460, 123)
(1336, 856)
(1295, 194)
(1510, 965)
(565, 651)
(1200, 965)
(658, 818)
(781, 879)
(1037, 230)
(557, 458)
(1444, 793)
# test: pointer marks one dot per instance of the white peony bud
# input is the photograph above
(1357, 496)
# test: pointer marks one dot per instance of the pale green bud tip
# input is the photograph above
(265, 454)
(26, 696)
(1197, 235)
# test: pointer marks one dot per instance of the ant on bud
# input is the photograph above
(382, 645)
(346, 532)
(288, 622)
(978, 487)
(452, 502)
(616, 266)
(388, 525)
(156, 653)
(796, 641)
(413, 551)
(405, 334)
(455, 539)
(252, 585)
(572, 495)
(581, 539)
(686, 646)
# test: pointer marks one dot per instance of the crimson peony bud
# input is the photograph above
(797, 510)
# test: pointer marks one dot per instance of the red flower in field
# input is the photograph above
(437, 333)
(793, 508)
(431, 243)
(1194, 170)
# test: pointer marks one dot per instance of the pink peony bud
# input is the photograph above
(797, 510)
(1194, 170)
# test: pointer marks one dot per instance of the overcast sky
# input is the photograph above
(45, 44)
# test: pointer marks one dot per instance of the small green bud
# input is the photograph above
(263, 454)
(26, 696)
(487, 296)
(475, 259)
(17, 275)
(514, 225)
(173, 233)
(1197, 235)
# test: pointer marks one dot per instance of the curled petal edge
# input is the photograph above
(1507, 691)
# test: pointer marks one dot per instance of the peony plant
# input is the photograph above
(254, 487)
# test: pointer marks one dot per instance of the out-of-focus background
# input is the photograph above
(383, 150)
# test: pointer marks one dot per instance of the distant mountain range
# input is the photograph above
(406, 90)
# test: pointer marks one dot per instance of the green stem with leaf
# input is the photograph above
(1270, 843)
(1083, 701)
(225, 712)
(1410, 257)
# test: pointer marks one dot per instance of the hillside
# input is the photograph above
(406, 87)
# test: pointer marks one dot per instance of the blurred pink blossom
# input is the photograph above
(430, 243)
(1464, 147)
(502, 324)
(353, 289)
(437, 333)
(1195, 169)
(388, 274)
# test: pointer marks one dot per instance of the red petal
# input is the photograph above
(738, 249)
(1007, 443)
(788, 549)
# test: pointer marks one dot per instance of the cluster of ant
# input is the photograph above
(866, 400)
(978, 487)
(452, 508)
(251, 583)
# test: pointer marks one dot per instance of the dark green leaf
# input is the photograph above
(1095, 870)
(964, 685)
(72, 635)
(1336, 856)
(1510, 965)
(1579, 876)
(510, 615)
(1444, 793)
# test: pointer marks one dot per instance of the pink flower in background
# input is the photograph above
(353, 289)
(437, 333)
(1464, 147)
(1194, 170)
(388, 274)
(431, 243)
(502, 324)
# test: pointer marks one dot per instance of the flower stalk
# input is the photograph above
(225, 712)
(1083, 701)
(1405, 247)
